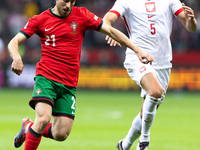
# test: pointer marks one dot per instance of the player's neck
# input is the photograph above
(55, 11)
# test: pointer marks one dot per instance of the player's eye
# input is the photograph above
(66, 1)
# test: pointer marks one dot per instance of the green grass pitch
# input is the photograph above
(104, 117)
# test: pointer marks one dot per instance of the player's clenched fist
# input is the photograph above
(17, 66)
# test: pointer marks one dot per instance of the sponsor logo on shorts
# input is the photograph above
(142, 69)
(38, 92)
(130, 70)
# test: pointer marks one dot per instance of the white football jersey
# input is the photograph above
(149, 24)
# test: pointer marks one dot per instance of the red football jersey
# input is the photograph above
(61, 40)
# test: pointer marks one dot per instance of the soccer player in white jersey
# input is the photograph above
(149, 25)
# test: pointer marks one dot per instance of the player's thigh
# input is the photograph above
(43, 116)
(163, 75)
(151, 85)
(43, 108)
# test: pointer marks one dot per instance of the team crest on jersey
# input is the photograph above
(150, 6)
(74, 26)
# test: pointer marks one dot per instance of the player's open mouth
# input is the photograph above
(65, 10)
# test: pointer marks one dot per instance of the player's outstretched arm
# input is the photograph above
(17, 64)
(187, 18)
(109, 18)
(123, 39)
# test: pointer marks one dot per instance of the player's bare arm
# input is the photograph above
(187, 18)
(17, 64)
(123, 39)
(109, 18)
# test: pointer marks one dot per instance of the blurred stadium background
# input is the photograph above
(102, 72)
(101, 65)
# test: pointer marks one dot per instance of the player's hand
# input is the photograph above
(189, 13)
(145, 57)
(112, 42)
(17, 66)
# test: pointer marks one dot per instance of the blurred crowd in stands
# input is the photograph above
(15, 13)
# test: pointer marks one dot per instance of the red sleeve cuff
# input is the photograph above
(116, 12)
(178, 11)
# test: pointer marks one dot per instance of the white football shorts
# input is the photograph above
(136, 70)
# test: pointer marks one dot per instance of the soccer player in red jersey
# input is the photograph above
(61, 30)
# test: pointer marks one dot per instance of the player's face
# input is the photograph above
(64, 6)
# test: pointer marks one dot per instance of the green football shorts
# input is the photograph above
(62, 98)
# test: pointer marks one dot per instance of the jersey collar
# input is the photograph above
(50, 9)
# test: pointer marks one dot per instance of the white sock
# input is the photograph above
(133, 134)
(149, 112)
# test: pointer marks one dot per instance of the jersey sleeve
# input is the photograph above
(31, 27)
(92, 21)
(119, 8)
(176, 7)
